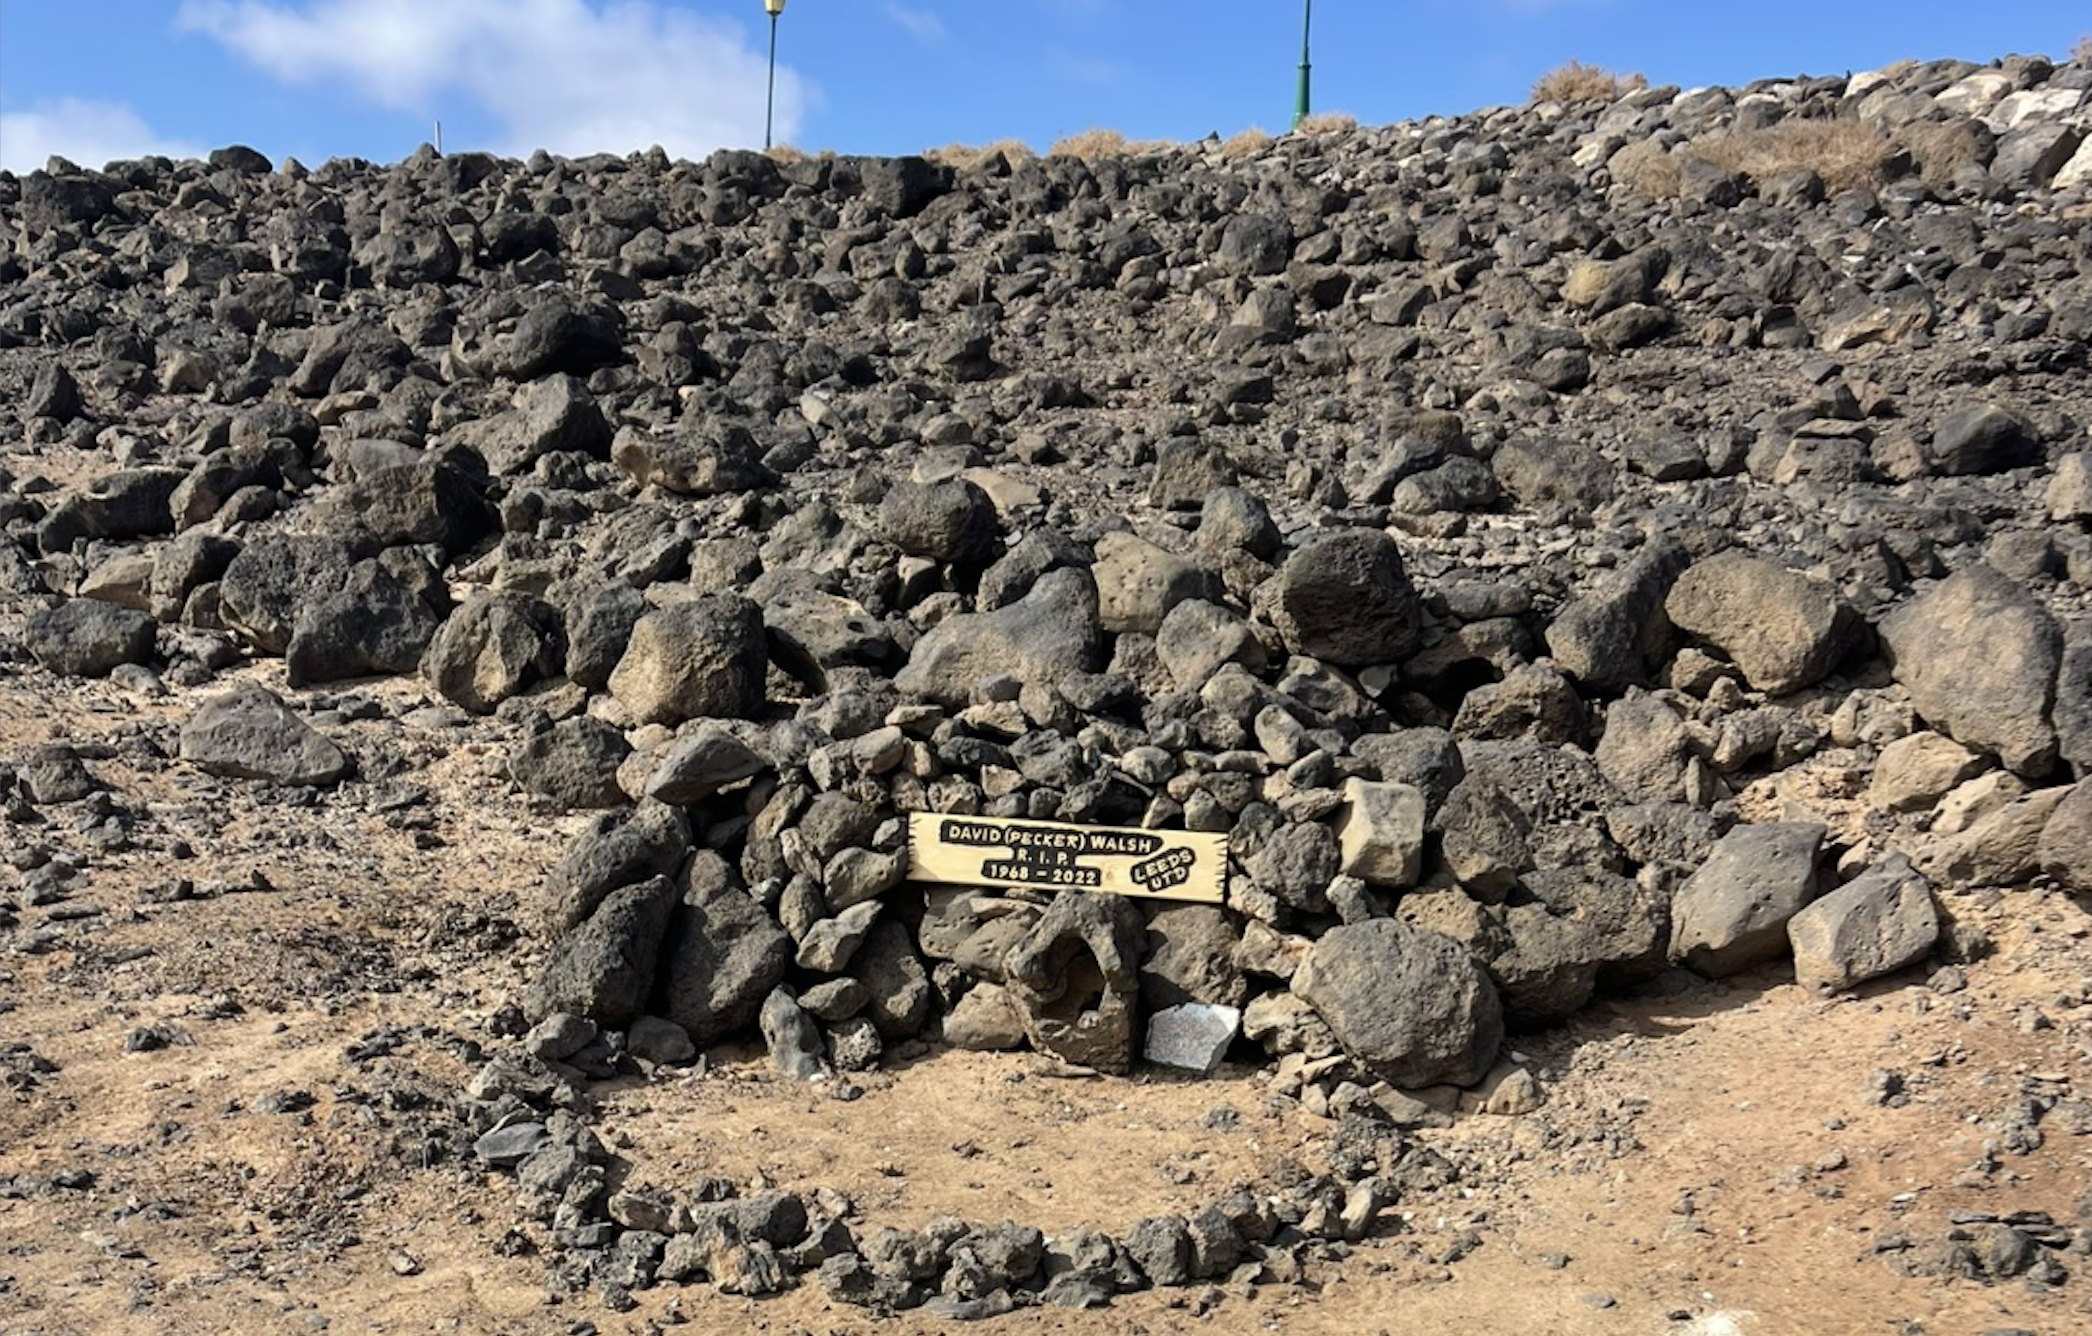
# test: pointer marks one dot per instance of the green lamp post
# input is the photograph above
(1307, 23)
(773, 8)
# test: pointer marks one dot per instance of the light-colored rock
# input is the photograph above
(1381, 832)
(1976, 94)
(2034, 104)
(1917, 771)
(2069, 494)
(1138, 583)
(701, 658)
(2077, 173)
(1784, 629)
(1977, 799)
(1193, 1036)
(2002, 849)
(1509, 1090)
(986, 1020)
(1197, 639)
(1043, 637)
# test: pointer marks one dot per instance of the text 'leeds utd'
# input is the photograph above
(1053, 856)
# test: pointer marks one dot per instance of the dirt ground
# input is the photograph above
(307, 987)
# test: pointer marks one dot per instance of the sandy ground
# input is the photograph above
(1710, 1162)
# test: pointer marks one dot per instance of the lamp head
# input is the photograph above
(773, 7)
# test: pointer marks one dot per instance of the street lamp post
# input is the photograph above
(773, 8)
(1307, 23)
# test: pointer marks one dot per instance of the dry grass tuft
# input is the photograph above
(1845, 154)
(1247, 144)
(1578, 84)
(970, 157)
(1327, 123)
(1092, 145)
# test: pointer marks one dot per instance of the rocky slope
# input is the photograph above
(1569, 550)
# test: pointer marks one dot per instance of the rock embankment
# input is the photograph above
(1557, 545)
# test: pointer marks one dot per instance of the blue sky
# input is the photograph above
(314, 79)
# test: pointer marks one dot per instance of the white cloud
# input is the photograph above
(921, 24)
(572, 76)
(90, 133)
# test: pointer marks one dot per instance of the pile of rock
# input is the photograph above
(1542, 585)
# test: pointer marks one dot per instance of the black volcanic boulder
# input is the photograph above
(705, 459)
(725, 954)
(559, 332)
(1732, 913)
(604, 969)
(1562, 481)
(272, 577)
(347, 356)
(1410, 1004)
(573, 763)
(1075, 977)
(902, 187)
(1344, 598)
(128, 503)
(50, 202)
(85, 637)
(54, 394)
(599, 619)
(950, 521)
(406, 505)
(373, 624)
(613, 850)
(249, 733)
(1615, 633)
(1046, 636)
(1983, 438)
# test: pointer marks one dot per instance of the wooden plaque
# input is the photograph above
(1056, 856)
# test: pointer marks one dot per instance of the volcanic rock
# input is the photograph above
(249, 733)
(1407, 1003)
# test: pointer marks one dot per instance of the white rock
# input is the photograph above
(2078, 171)
(1193, 1037)
(1978, 93)
(2035, 104)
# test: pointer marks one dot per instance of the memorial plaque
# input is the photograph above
(1055, 856)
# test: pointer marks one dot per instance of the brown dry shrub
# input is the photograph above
(1327, 123)
(968, 157)
(1578, 84)
(1845, 154)
(1941, 149)
(1092, 145)
(1247, 144)
(784, 155)
(2082, 52)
